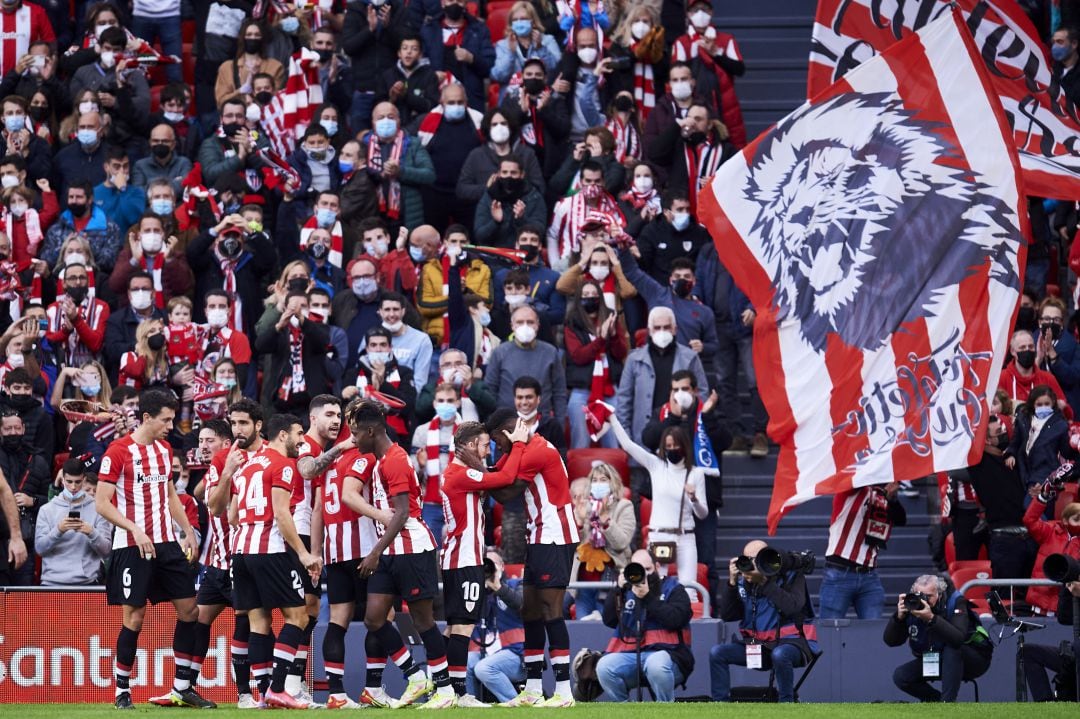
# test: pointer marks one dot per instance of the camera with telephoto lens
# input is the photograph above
(489, 569)
(772, 562)
(914, 601)
(1061, 568)
(634, 573)
(744, 564)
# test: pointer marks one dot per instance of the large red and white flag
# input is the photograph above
(1044, 125)
(287, 116)
(877, 231)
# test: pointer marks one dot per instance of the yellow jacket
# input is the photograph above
(432, 303)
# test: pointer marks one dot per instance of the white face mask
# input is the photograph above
(685, 399)
(587, 55)
(151, 242)
(524, 334)
(500, 134)
(87, 106)
(514, 300)
(75, 258)
(639, 29)
(108, 59)
(295, 322)
(15, 360)
(378, 357)
(100, 28)
(18, 210)
(643, 183)
(700, 18)
(9, 181)
(527, 416)
(599, 272)
(392, 327)
(253, 113)
(453, 250)
(141, 299)
(217, 317)
(452, 376)
(662, 339)
(681, 90)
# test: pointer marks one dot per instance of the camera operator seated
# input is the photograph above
(1040, 657)
(945, 636)
(70, 537)
(652, 615)
(775, 620)
(501, 633)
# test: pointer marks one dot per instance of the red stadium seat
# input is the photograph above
(982, 565)
(493, 94)
(187, 28)
(646, 514)
(187, 58)
(698, 609)
(579, 462)
(1064, 498)
(497, 20)
(514, 571)
(155, 98)
(950, 550)
(703, 576)
(962, 576)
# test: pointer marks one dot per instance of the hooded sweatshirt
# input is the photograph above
(71, 557)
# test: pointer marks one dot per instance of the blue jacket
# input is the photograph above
(718, 290)
(104, 237)
(1066, 368)
(502, 617)
(546, 300)
(124, 208)
(776, 611)
(477, 40)
(659, 622)
(1036, 465)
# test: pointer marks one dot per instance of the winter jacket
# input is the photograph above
(416, 171)
(432, 303)
(486, 231)
(477, 40)
(634, 396)
(421, 90)
(1053, 538)
(176, 277)
(371, 52)
(103, 235)
(1036, 464)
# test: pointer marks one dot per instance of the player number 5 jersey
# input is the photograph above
(346, 534)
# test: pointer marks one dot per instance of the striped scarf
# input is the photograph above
(75, 352)
(431, 122)
(393, 378)
(627, 139)
(608, 287)
(32, 226)
(287, 116)
(701, 164)
(154, 266)
(432, 468)
(389, 191)
(337, 244)
(601, 386)
(295, 383)
(463, 270)
(228, 273)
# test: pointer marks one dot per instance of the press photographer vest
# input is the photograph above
(654, 637)
(761, 618)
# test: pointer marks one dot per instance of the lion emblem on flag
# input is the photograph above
(853, 194)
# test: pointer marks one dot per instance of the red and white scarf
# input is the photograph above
(154, 267)
(601, 386)
(432, 468)
(228, 273)
(288, 115)
(639, 200)
(607, 285)
(569, 216)
(701, 164)
(463, 270)
(295, 383)
(389, 191)
(187, 214)
(627, 139)
(75, 352)
(392, 378)
(431, 122)
(337, 244)
(33, 229)
(644, 86)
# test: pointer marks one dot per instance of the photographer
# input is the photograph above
(1060, 660)
(653, 617)
(501, 633)
(775, 620)
(945, 636)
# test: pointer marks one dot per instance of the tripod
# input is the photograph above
(1020, 628)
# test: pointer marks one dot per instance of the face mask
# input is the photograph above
(345, 167)
(511, 187)
(521, 27)
(230, 247)
(325, 56)
(140, 299)
(161, 207)
(325, 216)
(77, 209)
(700, 18)
(378, 357)
(680, 220)
(674, 456)
(684, 399)
(217, 317)
(599, 272)
(9, 181)
(1026, 359)
(393, 327)
(499, 134)
(161, 151)
(294, 322)
(16, 360)
(156, 342)
(378, 249)
(87, 106)
(364, 287)
(1002, 441)
(533, 85)
(317, 155)
(682, 287)
(386, 128)
(591, 305)
(454, 12)
(527, 416)
(75, 258)
(290, 25)
(453, 251)
(599, 490)
(695, 138)
(108, 59)
(252, 46)
(643, 183)
(624, 103)
(100, 28)
(515, 300)
(227, 383)
(1053, 330)
(77, 294)
(484, 318)
(1060, 52)
(681, 90)
(231, 129)
(640, 29)
(18, 210)
(318, 250)
(91, 390)
(662, 339)
(38, 112)
(14, 123)
(416, 253)
(173, 117)
(253, 113)
(13, 441)
(445, 412)
(453, 113)
(73, 497)
(264, 98)
(531, 252)
(151, 242)
(591, 192)
(524, 334)
(587, 55)
(297, 284)
(330, 126)
(1043, 412)
(87, 137)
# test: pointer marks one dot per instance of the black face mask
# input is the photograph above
(695, 138)
(77, 209)
(624, 103)
(1026, 359)
(230, 247)
(509, 188)
(38, 113)
(264, 98)
(531, 252)
(590, 304)
(317, 251)
(1002, 441)
(1025, 319)
(673, 455)
(231, 129)
(298, 284)
(155, 342)
(1052, 329)
(533, 85)
(682, 287)
(454, 12)
(12, 442)
(21, 403)
(77, 294)
(161, 151)
(175, 477)
(325, 55)
(253, 45)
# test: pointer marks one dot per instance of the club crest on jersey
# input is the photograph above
(360, 465)
(106, 465)
(475, 475)
(469, 606)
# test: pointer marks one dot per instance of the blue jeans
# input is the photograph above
(167, 30)
(843, 587)
(498, 672)
(432, 515)
(579, 431)
(587, 601)
(618, 674)
(784, 657)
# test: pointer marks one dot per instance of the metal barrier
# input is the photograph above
(1007, 583)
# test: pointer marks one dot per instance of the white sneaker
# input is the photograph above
(470, 702)
(247, 702)
(593, 616)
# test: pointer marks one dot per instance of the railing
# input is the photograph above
(1007, 583)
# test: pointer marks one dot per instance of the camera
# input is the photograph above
(618, 64)
(489, 569)
(744, 564)
(1061, 568)
(1065, 473)
(915, 600)
(772, 562)
(230, 246)
(634, 573)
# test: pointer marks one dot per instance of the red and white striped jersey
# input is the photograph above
(462, 496)
(141, 474)
(394, 475)
(302, 497)
(18, 29)
(258, 531)
(218, 543)
(547, 498)
(855, 513)
(346, 534)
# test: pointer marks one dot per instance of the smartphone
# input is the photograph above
(75, 514)
(43, 325)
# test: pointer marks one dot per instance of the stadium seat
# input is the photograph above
(1064, 498)
(155, 98)
(950, 550)
(497, 19)
(514, 571)
(646, 514)
(983, 565)
(703, 576)
(187, 58)
(187, 28)
(962, 576)
(579, 462)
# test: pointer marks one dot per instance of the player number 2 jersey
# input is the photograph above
(253, 485)
(141, 474)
